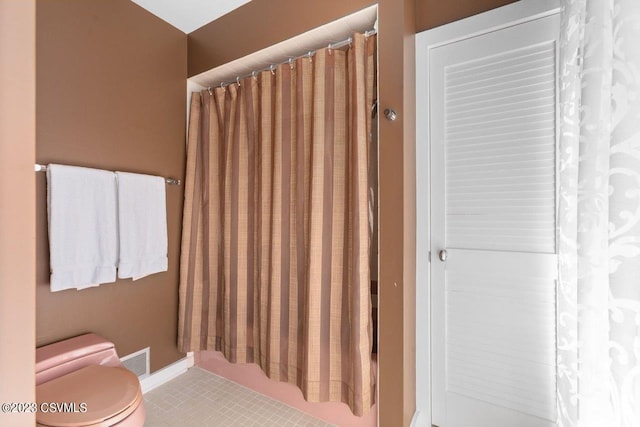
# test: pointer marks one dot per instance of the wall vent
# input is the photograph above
(138, 362)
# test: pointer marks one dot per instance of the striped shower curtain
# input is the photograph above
(275, 247)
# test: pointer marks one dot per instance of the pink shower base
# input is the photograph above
(251, 376)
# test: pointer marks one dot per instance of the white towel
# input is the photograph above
(83, 234)
(143, 225)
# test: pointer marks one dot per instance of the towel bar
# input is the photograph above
(170, 181)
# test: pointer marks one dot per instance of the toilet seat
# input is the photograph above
(111, 394)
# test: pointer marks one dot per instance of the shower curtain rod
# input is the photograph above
(272, 67)
(170, 181)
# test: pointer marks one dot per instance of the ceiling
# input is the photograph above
(189, 15)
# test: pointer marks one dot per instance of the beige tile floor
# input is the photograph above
(199, 398)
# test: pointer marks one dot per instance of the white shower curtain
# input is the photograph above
(599, 214)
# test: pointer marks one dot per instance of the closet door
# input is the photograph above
(493, 136)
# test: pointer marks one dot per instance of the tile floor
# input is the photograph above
(199, 399)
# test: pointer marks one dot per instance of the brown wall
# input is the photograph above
(397, 213)
(17, 202)
(101, 65)
(433, 13)
(111, 82)
(227, 39)
(259, 24)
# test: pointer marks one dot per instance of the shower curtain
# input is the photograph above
(275, 247)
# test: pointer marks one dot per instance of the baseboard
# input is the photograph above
(167, 373)
(419, 420)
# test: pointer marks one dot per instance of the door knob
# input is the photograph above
(443, 255)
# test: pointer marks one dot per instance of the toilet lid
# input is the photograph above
(88, 396)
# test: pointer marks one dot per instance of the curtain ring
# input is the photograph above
(272, 68)
(254, 74)
(291, 63)
(310, 56)
(329, 48)
(238, 81)
(210, 91)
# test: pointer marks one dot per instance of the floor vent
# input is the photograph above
(138, 362)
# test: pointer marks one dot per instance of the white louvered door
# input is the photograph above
(493, 210)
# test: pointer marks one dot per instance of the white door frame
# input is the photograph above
(506, 16)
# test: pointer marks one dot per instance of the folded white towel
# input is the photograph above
(143, 225)
(82, 226)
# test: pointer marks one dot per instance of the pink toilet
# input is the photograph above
(81, 382)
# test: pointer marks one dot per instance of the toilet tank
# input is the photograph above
(60, 358)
